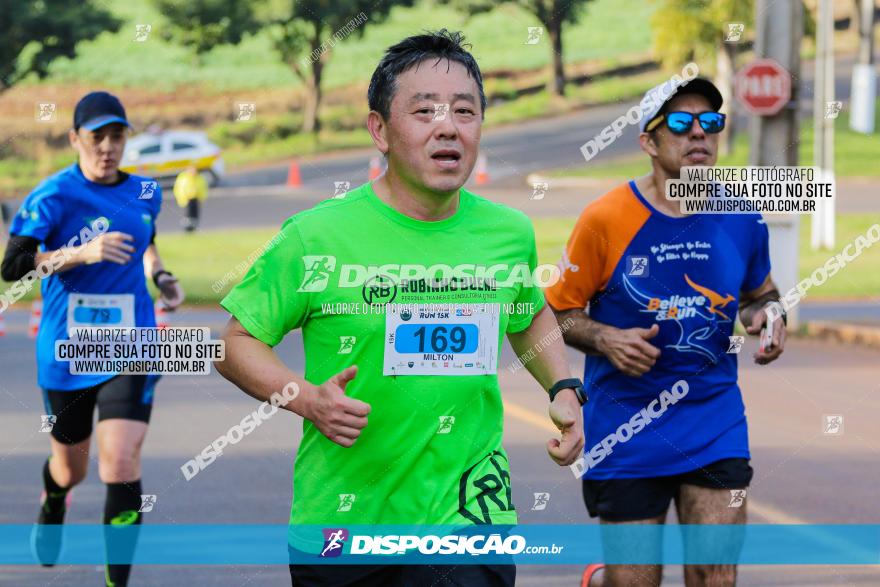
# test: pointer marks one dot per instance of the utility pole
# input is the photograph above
(774, 139)
(822, 225)
(864, 78)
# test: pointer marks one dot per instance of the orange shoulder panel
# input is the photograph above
(600, 237)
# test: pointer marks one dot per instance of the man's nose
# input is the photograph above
(445, 126)
(697, 131)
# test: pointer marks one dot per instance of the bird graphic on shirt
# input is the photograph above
(715, 299)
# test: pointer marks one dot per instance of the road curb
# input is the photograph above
(868, 336)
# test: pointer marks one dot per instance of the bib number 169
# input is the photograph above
(436, 338)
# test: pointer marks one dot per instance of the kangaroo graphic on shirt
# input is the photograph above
(715, 299)
(679, 309)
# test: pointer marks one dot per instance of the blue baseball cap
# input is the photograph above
(98, 109)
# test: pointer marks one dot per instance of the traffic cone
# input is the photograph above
(2, 325)
(375, 168)
(482, 177)
(293, 178)
(161, 315)
(36, 316)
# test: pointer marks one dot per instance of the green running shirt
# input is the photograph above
(431, 452)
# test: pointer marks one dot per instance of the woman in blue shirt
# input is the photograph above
(88, 234)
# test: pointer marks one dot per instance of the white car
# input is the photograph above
(165, 154)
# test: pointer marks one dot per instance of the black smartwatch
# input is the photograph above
(159, 274)
(574, 384)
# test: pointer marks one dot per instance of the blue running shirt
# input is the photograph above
(102, 294)
(635, 267)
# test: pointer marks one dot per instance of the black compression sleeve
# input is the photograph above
(19, 257)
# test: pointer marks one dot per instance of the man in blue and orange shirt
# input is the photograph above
(665, 420)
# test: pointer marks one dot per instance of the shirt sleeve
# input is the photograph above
(37, 217)
(267, 302)
(759, 259)
(581, 267)
(18, 259)
(530, 299)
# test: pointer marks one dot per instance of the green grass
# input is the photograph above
(541, 104)
(861, 278)
(497, 37)
(617, 89)
(203, 259)
(855, 155)
(296, 145)
(20, 175)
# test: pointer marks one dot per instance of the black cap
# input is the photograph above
(98, 109)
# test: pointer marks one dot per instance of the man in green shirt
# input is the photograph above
(404, 289)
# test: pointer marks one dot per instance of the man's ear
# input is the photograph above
(72, 137)
(378, 131)
(648, 143)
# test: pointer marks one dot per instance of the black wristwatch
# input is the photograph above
(159, 274)
(574, 384)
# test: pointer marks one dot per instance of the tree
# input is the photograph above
(203, 24)
(550, 13)
(35, 33)
(687, 29)
(303, 32)
(308, 30)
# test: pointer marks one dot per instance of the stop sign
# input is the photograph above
(763, 87)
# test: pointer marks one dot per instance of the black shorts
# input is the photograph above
(129, 397)
(403, 575)
(626, 500)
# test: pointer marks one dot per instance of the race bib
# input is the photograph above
(441, 339)
(111, 310)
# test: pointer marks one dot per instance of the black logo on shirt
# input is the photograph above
(485, 488)
(380, 289)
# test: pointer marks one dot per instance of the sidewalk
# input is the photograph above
(865, 335)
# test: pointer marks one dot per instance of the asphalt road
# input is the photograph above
(802, 475)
